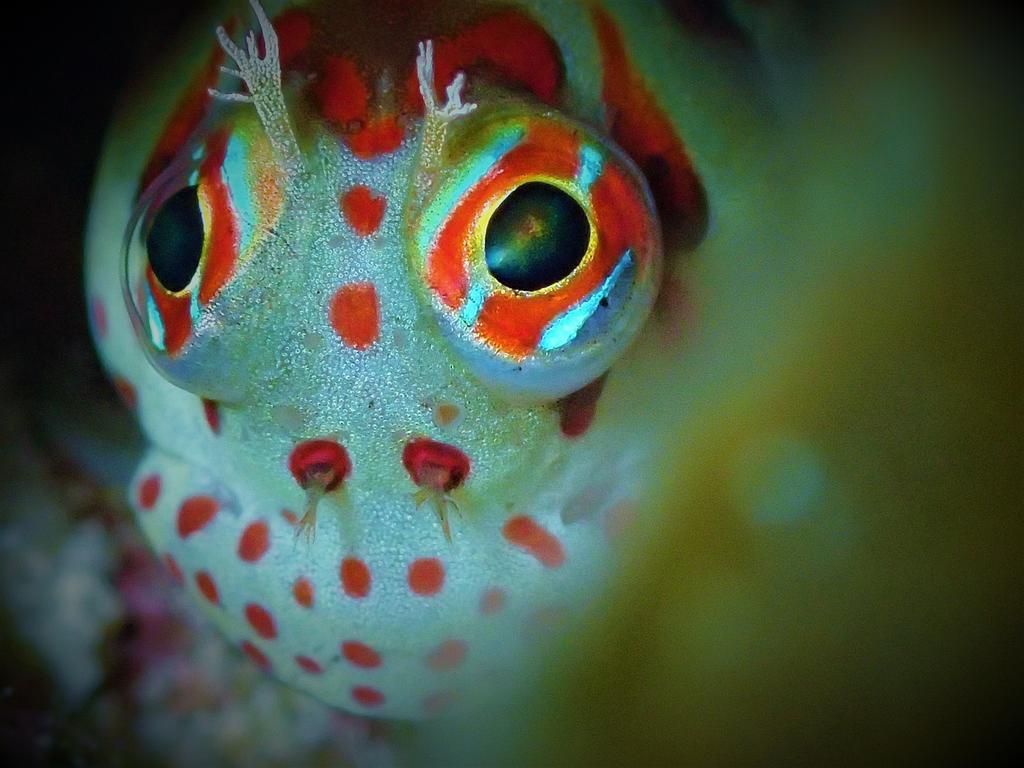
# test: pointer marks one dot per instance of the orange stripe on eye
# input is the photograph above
(174, 313)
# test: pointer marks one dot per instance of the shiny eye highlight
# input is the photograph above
(539, 250)
(174, 243)
(536, 237)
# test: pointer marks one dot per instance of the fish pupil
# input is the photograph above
(536, 237)
(174, 244)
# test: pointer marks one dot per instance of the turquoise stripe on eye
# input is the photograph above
(474, 303)
(156, 323)
(479, 167)
(591, 165)
(564, 328)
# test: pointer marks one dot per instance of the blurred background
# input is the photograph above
(829, 567)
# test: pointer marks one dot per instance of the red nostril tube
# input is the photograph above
(321, 463)
(437, 466)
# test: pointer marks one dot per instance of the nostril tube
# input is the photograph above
(319, 467)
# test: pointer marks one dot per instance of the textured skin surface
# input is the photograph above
(319, 330)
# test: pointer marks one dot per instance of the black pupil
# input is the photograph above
(536, 237)
(175, 241)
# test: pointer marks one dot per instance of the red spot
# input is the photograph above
(99, 317)
(363, 209)
(172, 567)
(524, 532)
(640, 126)
(212, 413)
(578, 409)
(290, 517)
(367, 696)
(436, 703)
(426, 576)
(355, 314)
(208, 588)
(149, 491)
(302, 591)
(195, 513)
(360, 655)
(355, 577)
(256, 655)
(261, 620)
(254, 542)
(492, 601)
(342, 93)
(510, 45)
(319, 463)
(309, 665)
(435, 465)
(448, 655)
(380, 136)
(126, 392)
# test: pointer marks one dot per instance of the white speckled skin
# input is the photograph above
(283, 376)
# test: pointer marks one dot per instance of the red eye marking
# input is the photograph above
(212, 413)
(256, 655)
(355, 315)
(368, 697)
(448, 655)
(254, 542)
(426, 576)
(492, 601)
(261, 620)
(524, 532)
(360, 655)
(195, 513)
(206, 585)
(434, 465)
(222, 239)
(579, 408)
(322, 463)
(308, 665)
(302, 591)
(187, 116)
(149, 492)
(641, 128)
(355, 577)
(510, 44)
(172, 567)
(363, 209)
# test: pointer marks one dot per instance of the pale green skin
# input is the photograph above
(292, 380)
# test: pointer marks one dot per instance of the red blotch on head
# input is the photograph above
(254, 542)
(426, 576)
(174, 569)
(524, 532)
(435, 465)
(207, 586)
(319, 463)
(640, 126)
(126, 392)
(448, 655)
(294, 29)
(363, 209)
(149, 491)
(256, 655)
(355, 314)
(355, 577)
(342, 92)
(367, 696)
(577, 410)
(380, 136)
(99, 317)
(492, 601)
(212, 413)
(302, 591)
(309, 665)
(508, 45)
(261, 620)
(195, 513)
(360, 655)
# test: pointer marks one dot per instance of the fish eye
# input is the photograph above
(174, 243)
(536, 237)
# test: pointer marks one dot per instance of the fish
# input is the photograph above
(365, 278)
